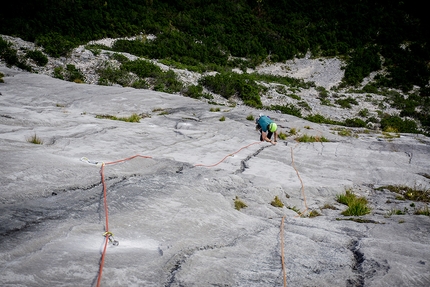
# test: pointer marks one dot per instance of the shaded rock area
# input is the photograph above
(173, 214)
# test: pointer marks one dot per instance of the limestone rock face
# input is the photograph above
(174, 214)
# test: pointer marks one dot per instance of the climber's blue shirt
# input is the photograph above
(264, 122)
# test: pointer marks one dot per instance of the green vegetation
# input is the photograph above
(282, 136)
(356, 205)
(346, 102)
(314, 213)
(38, 57)
(250, 117)
(416, 193)
(222, 119)
(10, 56)
(1, 78)
(239, 204)
(214, 109)
(287, 109)
(34, 139)
(423, 211)
(293, 208)
(276, 202)
(71, 74)
(228, 84)
(307, 139)
(219, 35)
(134, 118)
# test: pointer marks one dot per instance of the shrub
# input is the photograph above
(194, 91)
(398, 124)
(346, 102)
(38, 57)
(228, 84)
(289, 109)
(55, 44)
(222, 119)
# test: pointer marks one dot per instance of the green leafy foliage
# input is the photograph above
(38, 57)
(228, 84)
(395, 123)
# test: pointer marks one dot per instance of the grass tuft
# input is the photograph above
(356, 205)
(276, 202)
(34, 139)
(307, 138)
(416, 193)
(134, 118)
(239, 204)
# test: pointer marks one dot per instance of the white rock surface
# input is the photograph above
(175, 221)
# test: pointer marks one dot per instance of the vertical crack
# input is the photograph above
(357, 267)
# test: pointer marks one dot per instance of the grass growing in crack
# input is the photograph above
(295, 209)
(329, 206)
(276, 202)
(360, 220)
(416, 193)
(282, 136)
(34, 139)
(239, 204)
(314, 213)
(222, 119)
(214, 109)
(395, 212)
(250, 118)
(134, 118)
(356, 205)
(307, 138)
(423, 211)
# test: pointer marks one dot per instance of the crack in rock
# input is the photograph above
(243, 163)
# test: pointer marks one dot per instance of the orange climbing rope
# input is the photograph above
(228, 155)
(301, 181)
(282, 252)
(107, 233)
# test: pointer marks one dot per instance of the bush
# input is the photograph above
(38, 57)
(389, 122)
(55, 44)
(289, 109)
(194, 91)
(228, 84)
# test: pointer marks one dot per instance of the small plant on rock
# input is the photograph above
(239, 204)
(222, 119)
(276, 202)
(282, 136)
(356, 205)
(250, 118)
(34, 139)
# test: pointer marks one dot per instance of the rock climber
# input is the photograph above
(266, 127)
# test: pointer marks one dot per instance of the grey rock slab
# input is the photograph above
(173, 214)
